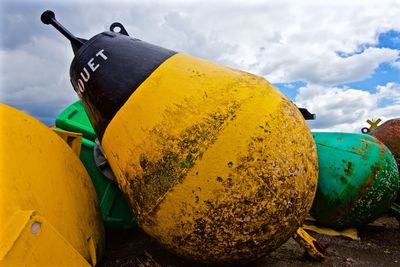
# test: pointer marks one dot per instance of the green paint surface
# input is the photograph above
(358, 179)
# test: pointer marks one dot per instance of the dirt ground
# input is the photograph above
(379, 246)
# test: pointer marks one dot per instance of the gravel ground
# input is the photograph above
(379, 246)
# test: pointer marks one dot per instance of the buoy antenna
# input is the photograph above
(48, 17)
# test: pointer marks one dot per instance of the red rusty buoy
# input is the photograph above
(389, 134)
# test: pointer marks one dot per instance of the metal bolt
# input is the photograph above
(35, 228)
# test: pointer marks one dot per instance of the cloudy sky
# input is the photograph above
(340, 59)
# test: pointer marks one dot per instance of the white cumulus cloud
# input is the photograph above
(284, 41)
(347, 109)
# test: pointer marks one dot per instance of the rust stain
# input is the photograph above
(381, 148)
(340, 213)
(347, 170)
(364, 145)
(389, 134)
(369, 181)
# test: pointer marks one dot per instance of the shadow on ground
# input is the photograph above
(379, 246)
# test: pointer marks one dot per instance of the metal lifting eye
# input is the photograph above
(365, 130)
(118, 28)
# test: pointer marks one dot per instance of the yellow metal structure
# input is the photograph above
(373, 124)
(216, 163)
(49, 215)
(74, 140)
(310, 244)
(349, 232)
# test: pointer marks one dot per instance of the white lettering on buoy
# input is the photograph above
(92, 66)
(81, 86)
(102, 54)
(85, 78)
(85, 73)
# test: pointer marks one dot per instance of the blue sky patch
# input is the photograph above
(389, 39)
(384, 74)
(290, 89)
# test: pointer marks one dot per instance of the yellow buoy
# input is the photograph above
(216, 163)
(49, 213)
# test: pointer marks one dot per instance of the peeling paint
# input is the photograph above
(179, 154)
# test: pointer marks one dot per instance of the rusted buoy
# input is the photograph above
(389, 134)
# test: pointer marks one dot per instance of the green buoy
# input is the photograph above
(358, 179)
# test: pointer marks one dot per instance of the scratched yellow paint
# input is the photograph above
(44, 185)
(217, 164)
